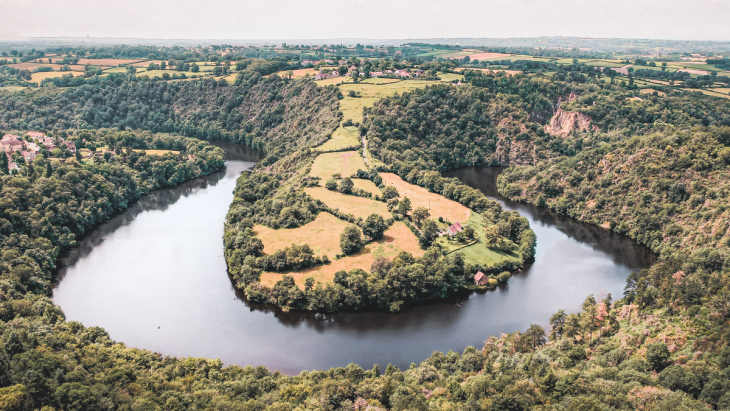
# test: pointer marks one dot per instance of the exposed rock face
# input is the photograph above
(564, 122)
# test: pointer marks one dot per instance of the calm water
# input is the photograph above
(155, 278)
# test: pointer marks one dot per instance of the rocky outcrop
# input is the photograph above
(564, 122)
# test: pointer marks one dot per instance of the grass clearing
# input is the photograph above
(322, 234)
(108, 62)
(12, 89)
(396, 239)
(380, 80)
(357, 206)
(476, 253)
(449, 77)
(344, 162)
(39, 77)
(438, 205)
(352, 107)
(343, 137)
(155, 152)
(651, 90)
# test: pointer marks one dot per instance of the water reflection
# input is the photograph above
(155, 278)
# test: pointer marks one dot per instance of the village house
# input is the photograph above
(28, 155)
(11, 143)
(33, 147)
(481, 279)
(454, 228)
(342, 62)
(70, 146)
(11, 163)
(35, 135)
(376, 74)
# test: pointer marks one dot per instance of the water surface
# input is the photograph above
(154, 277)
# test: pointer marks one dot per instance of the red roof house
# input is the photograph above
(455, 228)
(481, 279)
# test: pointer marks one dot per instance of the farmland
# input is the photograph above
(437, 205)
(322, 235)
(397, 238)
(357, 206)
(346, 163)
(343, 137)
(477, 252)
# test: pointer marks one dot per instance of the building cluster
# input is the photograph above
(387, 73)
(30, 146)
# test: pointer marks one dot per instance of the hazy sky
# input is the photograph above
(376, 19)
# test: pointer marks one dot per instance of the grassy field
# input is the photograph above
(438, 205)
(12, 89)
(380, 80)
(56, 67)
(352, 106)
(344, 162)
(322, 234)
(651, 90)
(476, 253)
(107, 62)
(342, 137)
(357, 206)
(335, 81)
(449, 77)
(38, 77)
(154, 152)
(396, 239)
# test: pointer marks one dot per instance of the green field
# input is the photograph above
(449, 77)
(477, 253)
(343, 137)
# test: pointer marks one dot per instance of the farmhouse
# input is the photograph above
(376, 74)
(481, 279)
(11, 143)
(70, 146)
(454, 228)
(35, 135)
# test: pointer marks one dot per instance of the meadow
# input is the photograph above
(396, 239)
(477, 252)
(40, 76)
(357, 206)
(437, 205)
(343, 137)
(322, 234)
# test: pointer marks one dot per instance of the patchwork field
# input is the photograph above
(396, 239)
(322, 234)
(438, 205)
(343, 137)
(56, 67)
(357, 206)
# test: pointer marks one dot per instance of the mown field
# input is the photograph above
(343, 137)
(397, 238)
(357, 206)
(438, 205)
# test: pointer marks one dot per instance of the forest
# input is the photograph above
(654, 169)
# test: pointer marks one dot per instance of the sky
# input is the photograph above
(372, 19)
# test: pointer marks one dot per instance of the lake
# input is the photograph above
(154, 277)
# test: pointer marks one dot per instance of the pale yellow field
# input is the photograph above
(438, 205)
(342, 137)
(154, 152)
(107, 62)
(322, 234)
(39, 77)
(396, 239)
(344, 162)
(336, 80)
(357, 206)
